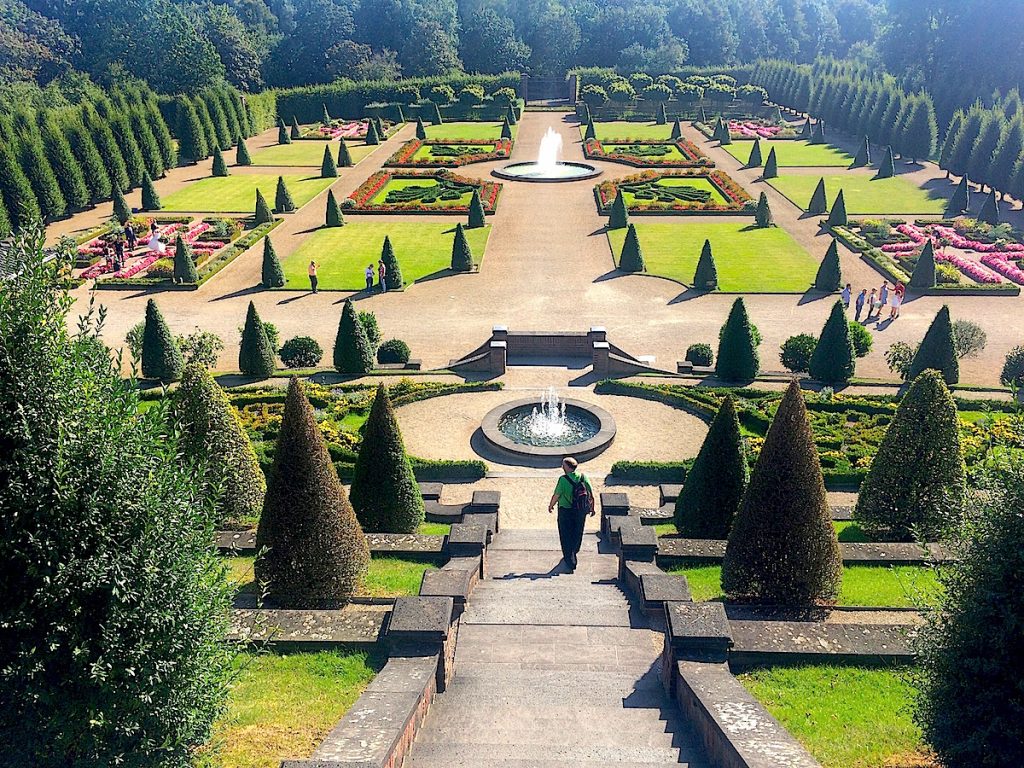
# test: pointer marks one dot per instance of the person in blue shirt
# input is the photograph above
(574, 497)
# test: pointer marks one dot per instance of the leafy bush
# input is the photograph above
(393, 351)
(968, 338)
(162, 269)
(737, 346)
(1013, 368)
(471, 95)
(861, 338)
(796, 352)
(200, 348)
(255, 353)
(700, 355)
(505, 96)
(899, 357)
(640, 80)
(947, 274)
(658, 92)
(621, 92)
(594, 95)
(752, 94)
(301, 352)
(834, 360)
(442, 94)
(368, 319)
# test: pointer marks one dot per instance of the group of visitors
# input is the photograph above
(381, 272)
(876, 301)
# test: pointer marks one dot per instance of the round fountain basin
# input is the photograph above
(589, 431)
(563, 171)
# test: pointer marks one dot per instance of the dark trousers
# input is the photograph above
(570, 533)
(313, 282)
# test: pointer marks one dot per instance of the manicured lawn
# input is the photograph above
(864, 194)
(388, 576)
(665, 529)
(396, 184)
(422, 249)
(623, 130)
(792, 153)
(748, 259)
(901, 586)
(281, 706)
(307, 153)
(846, 716)
(237, 193)
(848, 530)
(435, 529)
(466, 130)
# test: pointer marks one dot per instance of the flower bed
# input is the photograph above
(344, 129)
(646, 153)
(661, 199)
(752, 128)
(448, 193)
(462, 153)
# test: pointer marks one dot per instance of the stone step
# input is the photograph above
(553, 613)
(526, 635)
(469, 725)
(543, 756)
(555, 656)
(587, 595)
(558, 731)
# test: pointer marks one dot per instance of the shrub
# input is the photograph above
(752, 94)
(818, 135)
(435, 114)
(506, 129)
(705, 277)
(184, 266)
(301, 352)
(162, 269)
(924, 271)
(283, 202)
(385, 494)
(937, 350)
(771, 165)
(352, 351)
(150, 198)
(393, 351)
(594, 96)
(961, 200)
(947, 274)
(819, 202)
(763, 213)
(837, 216)
(200, 348)
(272, 273)
(255, 353)
(700, 355)
(658, 92)
(1013, 368)
(861, 338)
(863, 157)
(471, 95)
(887, 169)
(632, 258)
(311, 550)
(621, 92)
(477, 217)
(333, 217)
(640, 80)
(737, 347)
(220, 168)
(296, 130)
(898, 358)
(755, 160)
(796, 352)
(782, 547)
(829, 276)
(462, 256)
(344, 156)
(262, 214)
(421, 130)
(161, 358)
(834, 360)
(968, 338)
(714, 485)
(372, 137)
(989, 213)
(121, 210)
(282, 132)
(688, 93)
(662, 114)
(618, 218)
(504, 96)
(917, 478)
(393, 272)
(328, 168)
(442, 94)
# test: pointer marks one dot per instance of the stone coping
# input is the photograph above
(582, 451)
(413, 545)
(354, 625)
(768, 642)
(665, 513)
(588, 172)
(678, 550)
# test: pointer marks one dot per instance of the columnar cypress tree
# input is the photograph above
(837, 216)
(819, 200)
(385, 493)
(15, 188)
(220, 168)
(191, 137)
(333, 217)
(981, 155)
(352, 351)
(662, 118)
(122, 212)
(937, 350)
(242, 156)
(372, 137)
(887, 168)
(150, 198)
(818, 136)
(62, 160)
(462, 256)
(632, 257)
(5, 219)
(965, 140)
(107, 146)
(476, 211)
(296, 131)
(590, 133)
(282, 132)
(949, 143)
(325, 116)
(262, 214)
(990, 209)
(344, 156)
(506, 130)
(702, 116)
(393, 271)
(834, 360)
(705, 277)
(782, 547)
(619, 216)
(829, 276)
(161, 131)
(754, 161)
(421, 130)
(961, 200)
(677, 131)
(255, 355)
(435, 115)
(328, 169)
(283, 202)
(771, 166)
(312, 552)
(184, 266)
(921, 132)
(33, 161)
(1008, 151)
(272, 273)
(714, 486)
(918, 475)
(863, 158)
(119, 125)
(724, 135)
(151, 157)
(737, 358)
(221, 128)
(94, 172)
(382, 134)
(161, 358)
(763, 213)
(923, 276)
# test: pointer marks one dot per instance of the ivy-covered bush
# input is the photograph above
(471, 95)
(393, 351)
(594, 95)
(657, 92)
(301, 352)
(621, 92)
(700, 355)
(796, 352)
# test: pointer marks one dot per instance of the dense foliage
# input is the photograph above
(737, 346)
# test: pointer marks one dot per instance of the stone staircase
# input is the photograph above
(553, 669)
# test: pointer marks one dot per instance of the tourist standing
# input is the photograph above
(575, 499)
(873, 303)
(130, 236)
(313, 281)
(118, 255)
(382, 273)
(897, 299)
(846, 296)
(861, 298)
(883, 297)
(369, 277)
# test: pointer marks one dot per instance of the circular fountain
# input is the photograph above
(548, 167)
(549, 428)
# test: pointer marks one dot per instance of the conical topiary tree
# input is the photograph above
(510, 115)
(242, 156)
(632, 257)
(150, 198)
(393, 272)
(961, 200)
(937, 350)
(372, 138)
(818, 135)
(184, 266)
(283, 202)
(296, 131)
(923, 276)
(477, 217)
(805, 129)
(328, 169)
(161, 358)
(255, 355)
(837, 216)
(763, 213)
(462, 256)
(888, 167)
(421, 129)
(385, 494)
(122, 211)
(771, 165)
(755, 160)
(220, 168)
(263, 214)
(702, 116)
(705, 277)
(282, 132)
(819, 200)
(782, 547)
(344, 156)
(590, 132)
(677, 131)
(830, 275)
(381, 132)
(325, 116)
(834, 360)
(272, 273)
(990, 209)
(714, 486)
(662, 118)
(863, 157)
(917, 477)
(618, 218)
(352, 351)
(333, 217)
(311, 550)
(725, 135)
(212, 434)
(506, 129)
(737, 358)
(435, 114)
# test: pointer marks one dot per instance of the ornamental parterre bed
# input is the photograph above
(436, 192)
(449, 154)
(677, 153)
(652, 196)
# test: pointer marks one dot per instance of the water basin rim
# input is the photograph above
(583, 450)
(507, 172)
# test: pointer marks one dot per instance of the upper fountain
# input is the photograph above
(548, 166)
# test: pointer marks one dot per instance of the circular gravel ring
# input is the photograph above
(506, 172)
(581, 451)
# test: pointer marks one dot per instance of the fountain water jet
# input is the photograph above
(548, 167)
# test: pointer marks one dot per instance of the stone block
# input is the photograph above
(638, 542)
(613, 503)
(467, 540)
(487, 519)
(661, 588)
(431, 491)
(668, 493)
(420, 620)
(613, 524)
(456, 584)
(486, 501)
(698, 631)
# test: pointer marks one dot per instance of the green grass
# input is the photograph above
(382, 196)
(281, 706)
(697, 182)
(665, 529)
(625, 130)
(792, 153)
(307, 153)
(846, 716)
(864, 194)
(435, 529)
(673, 155)
(848, 530)
(748, 259)
(466, 130)
(422, 249)
(237, 193)
(387, 577)
(900, 586)
(425, 152)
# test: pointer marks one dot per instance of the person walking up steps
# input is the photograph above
(575, 499)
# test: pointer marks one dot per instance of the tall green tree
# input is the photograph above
(62, 160)
(462, 256)
(949, 142)
(152, 159)
(242, 156)
(184, 266)
(980, 161)
(837, 216)
(1008, 152)
(477, 216)
(393, 271)
(737, 358)
(970, 129)
(937, 350)
(328, 168)
(150, 197)
(122, 132)
(829, 276)
(16, 190)
(705, 277)
(819, 202)
(94, 172)
(161, 358)
(333, 217)
(263, 214)
(35, 165)
(344, 156)
(618, 218)
(771, 165)
(352, 351)
(632, 257)
(220, 168)
(271, 273)
(191, 137)
(920, 133)
(256, 356)
(283, 202)
(834, 361)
